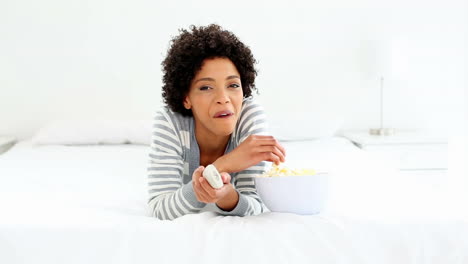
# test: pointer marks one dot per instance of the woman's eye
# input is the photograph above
(234, 85)
(204, 88)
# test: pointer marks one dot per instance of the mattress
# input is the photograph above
(87, 204)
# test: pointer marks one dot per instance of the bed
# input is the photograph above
(87, 204)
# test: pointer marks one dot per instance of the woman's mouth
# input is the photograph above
(223, 114)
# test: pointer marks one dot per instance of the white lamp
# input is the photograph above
(382, 131)
(391, 64)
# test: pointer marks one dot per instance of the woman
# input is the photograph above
(209, 118)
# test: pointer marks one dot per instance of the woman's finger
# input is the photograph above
(281, 148)
(226, 177)
(197, 173)
(200, 192)
(269, 156)
(272, 149)
(209, 191)
(271, 141)
(202, 198)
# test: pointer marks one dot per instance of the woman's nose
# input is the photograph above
(222, 98)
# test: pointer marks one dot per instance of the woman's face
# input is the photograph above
(215, 96)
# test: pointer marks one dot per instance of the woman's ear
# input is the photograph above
(187, 103)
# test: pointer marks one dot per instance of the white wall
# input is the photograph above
(101, 58)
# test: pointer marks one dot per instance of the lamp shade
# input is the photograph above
(392, 58)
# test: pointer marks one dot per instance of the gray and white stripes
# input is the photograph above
(174, 155)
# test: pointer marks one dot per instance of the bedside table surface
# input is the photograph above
(399, 138)
(408, 150)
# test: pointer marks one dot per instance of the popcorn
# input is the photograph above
(278, 171)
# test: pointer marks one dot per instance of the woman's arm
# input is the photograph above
(249, 203)
(248, 159)
(169, 198)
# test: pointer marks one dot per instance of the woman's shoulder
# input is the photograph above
(176, 120)
(251, 109)
(252, 120)
(249, 104)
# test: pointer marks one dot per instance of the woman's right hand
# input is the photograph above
(251, 151)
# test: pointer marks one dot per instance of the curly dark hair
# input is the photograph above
(186, 54)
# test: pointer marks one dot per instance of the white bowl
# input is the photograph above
(305, 195)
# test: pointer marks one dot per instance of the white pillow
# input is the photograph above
(294, 127)
(93, 132)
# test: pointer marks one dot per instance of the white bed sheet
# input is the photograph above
(87, 204)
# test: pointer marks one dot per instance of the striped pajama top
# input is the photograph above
(174, 155)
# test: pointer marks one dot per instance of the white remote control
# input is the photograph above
(213, 177)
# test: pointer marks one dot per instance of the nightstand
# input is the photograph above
(6, 143)
(408, 150)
